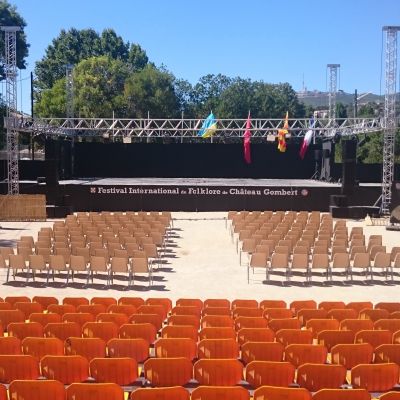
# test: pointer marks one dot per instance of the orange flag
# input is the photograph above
(282, 134)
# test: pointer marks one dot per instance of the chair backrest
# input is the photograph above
(93, 309)
(133, 301)
(95, 391)
(361, 260)
(382, 260)
(126, 309)
(168, 371)
(280, 260)
(116, 318)
(218, 348)
(40, 347)
(10, 316)
(269, 373)
(144, 331)
(42, 389)
(340, 314)
(119, 264)
(77, 263)
(294, 336)
(217, 303)
(215, 393)
(180, 331)
(389, 306)
(98, 263)
(79, 318)
(274, 313)
(284, 323)
(86, 347)
(247, 312)
(342, 394)
(217, 321)
(218, 372)
(168, 393)
(14, 367)
(175, 347)
(138, 349)
(356, 325)
(217, 333)
(272, 304)
(28, 308)
(350, 355)
(281, 393)
(359, 305)
(102, 330)
(387, 353)
(154, 319)
(250, 322)
(262, 351)
(298, 354)
(122, 371)
(190, 302)
(306, 314)
(158, 309)
(392, 325)
(10, 345)
(314, 377)
(297, 305)
(330, 338)
(375, 377)
(390, 396)
(318, 325)
(21, 330)
(374, 337)
(259, 260)
(61, 309)
(244, 303)
(255, 335)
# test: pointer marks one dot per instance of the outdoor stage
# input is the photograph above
(198, 194)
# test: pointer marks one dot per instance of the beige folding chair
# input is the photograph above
(36, 262)
(300, 261)
(279, 261)
(382, 262)
(248, 246)
(100, 264)
(79, 264)
(361, 261)
(257, 260)
(121, 265)
(57, 263)
(320, 261)
(341, 260)
(142, 266)
(16, 262)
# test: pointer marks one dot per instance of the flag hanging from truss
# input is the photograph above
(246, 140)
(282, 134)
(209, 127)
(307, 138)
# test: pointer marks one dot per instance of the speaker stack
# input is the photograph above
(349, 159)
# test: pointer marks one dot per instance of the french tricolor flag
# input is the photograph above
(307, 139)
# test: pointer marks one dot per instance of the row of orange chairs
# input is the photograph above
(179, 371)
(53, 390)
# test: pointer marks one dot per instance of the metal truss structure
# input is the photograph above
(10, 70)
(69, 91)
(389, 120)
(189, 128)
(333, 70)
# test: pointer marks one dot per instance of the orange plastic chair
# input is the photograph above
(116, 318)
(66, 369)
(216, 321)
(218, 333)
(318, 325)
(62, 330)
(86, 347)
(45, 301)
(102, 330)
(387, 353)
(356, 325)
(144, 331)
(390, 396)
(105, 301)
(281, 393)
(133, 301)
(10, 345)
(269, 373)
(42, 389)
(391, 307)
(61, 309)
(79, 318)
(168, 371)
(255, 335)
(218, 372)
(40, 347)
(375, 377)
(154, 319)
(126, 309)
(248, 303)
(44, 319)
(350, 355)
(94, 391)
(274, 313)
(307, 314)
(75, 301)
(9, 316)
(341, 314)
(331, 338)
(284, 323)
(180, 331)
(247, 312)
(262, 351)
(315, 377)
(359, 305)
(138, 349)
(14, 299)
(374, 314)
(122, 371)
(14, 367)
(220, 392)
(250, 322)
(190, 302)
(331, 305)
(175, 347)
(375, 338)
(342, 394)
(158, 309)
(21, 330)
(186, 310)
(272, 304)
(216, 303)
(294, 336)
(163, 301)
(28, 308)
(191, 320)
(218, 348)
(297, 305)
(392, 325)
(93, 309)
(168, 393)
(298, 354)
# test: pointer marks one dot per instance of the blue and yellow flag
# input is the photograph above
(209, 127)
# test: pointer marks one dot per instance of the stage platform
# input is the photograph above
(197, 194)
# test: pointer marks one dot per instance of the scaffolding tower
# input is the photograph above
(333, 75)
(10, 72)
(69, 89)
(389, 120)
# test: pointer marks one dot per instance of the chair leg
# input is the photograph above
(8, 273)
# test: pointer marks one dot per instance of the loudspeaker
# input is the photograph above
(338, 200)
(349, 152)
(51, 172)
(317, 155)
(395, 203)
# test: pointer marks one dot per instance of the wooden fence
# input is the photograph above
(23, 207)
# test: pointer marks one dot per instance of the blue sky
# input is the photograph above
(270, 40)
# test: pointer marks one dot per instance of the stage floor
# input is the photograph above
(204, 182)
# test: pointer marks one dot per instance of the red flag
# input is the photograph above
(246, 141)
(282, 134)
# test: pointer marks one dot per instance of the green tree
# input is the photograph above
(137, 58)
(151, 90)
(9, 16)
(52, 101)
